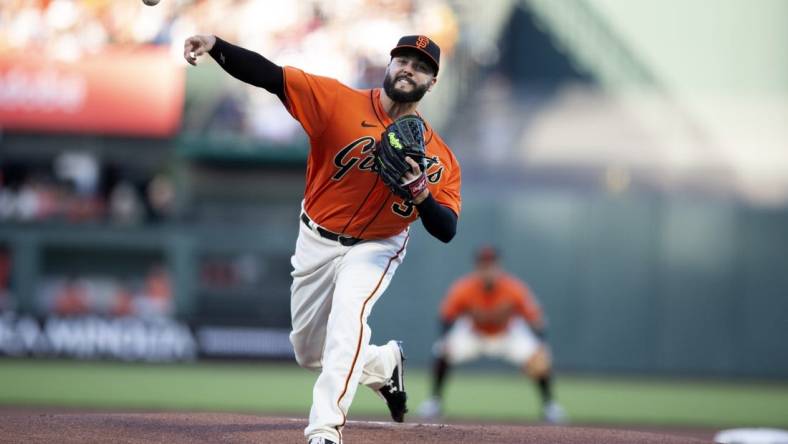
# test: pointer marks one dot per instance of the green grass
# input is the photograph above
(286, 390)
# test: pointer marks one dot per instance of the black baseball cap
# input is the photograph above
(422, 44)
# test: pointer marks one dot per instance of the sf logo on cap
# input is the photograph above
(422, 41)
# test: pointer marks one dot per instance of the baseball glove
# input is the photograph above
(404, 137)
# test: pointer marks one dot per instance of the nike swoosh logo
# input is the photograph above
(367, 125)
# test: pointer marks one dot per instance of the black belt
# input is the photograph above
(325, 234)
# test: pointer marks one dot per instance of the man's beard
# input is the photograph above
(402, 97)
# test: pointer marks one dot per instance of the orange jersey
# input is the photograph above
(343, 194)
(491, 310)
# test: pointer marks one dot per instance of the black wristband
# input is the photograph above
(438, 220)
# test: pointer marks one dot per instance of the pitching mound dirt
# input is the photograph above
(47, 427)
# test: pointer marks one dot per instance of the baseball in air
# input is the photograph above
(151, 2)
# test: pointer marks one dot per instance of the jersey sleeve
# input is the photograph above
(455, 302)
(449, 194)
(525, 302)
(310, 99)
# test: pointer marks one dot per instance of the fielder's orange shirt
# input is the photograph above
(342, 193)
(468, 294)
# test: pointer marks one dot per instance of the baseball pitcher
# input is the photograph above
(374, 166)
(492, 313)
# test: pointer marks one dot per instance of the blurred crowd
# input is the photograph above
(148, 296)
(77, 188)
(346, 39)
(343, 37)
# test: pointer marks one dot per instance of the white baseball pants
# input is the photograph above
(333, 291)
(516, 344)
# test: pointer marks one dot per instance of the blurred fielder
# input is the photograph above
(492, 313)
(374, 167)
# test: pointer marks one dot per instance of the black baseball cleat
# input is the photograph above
(320, 441)
(393, 391)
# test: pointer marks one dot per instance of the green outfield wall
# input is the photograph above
(630, 283)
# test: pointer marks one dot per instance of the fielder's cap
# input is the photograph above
(486, 253)
(423, 45)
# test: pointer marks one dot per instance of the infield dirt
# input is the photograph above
(51, 426)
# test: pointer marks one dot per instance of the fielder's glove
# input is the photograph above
(404, 137)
